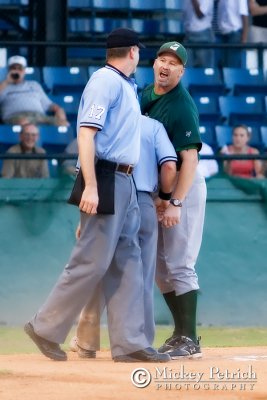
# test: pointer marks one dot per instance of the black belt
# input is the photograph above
(125, 168)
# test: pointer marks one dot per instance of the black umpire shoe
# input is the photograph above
(49, 349)
(147, 355)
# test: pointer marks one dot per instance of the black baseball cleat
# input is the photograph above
(146, 355)
(187, 348)
(49, 349)
(170, 343)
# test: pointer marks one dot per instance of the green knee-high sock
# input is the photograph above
(188, 307)
(172, 303)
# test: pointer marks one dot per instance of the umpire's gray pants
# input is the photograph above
(88, 332)
(102, 238)
(148, 236)
(178, 246)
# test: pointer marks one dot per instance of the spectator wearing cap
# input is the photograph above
(20, 98)
(197, 18)
(15, 168)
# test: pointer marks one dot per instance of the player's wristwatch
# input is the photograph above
(176, 202)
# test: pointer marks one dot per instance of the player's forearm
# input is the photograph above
(186, 175)
(168, 176)
(86, 147)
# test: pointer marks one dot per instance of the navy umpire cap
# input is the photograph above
(123, 37)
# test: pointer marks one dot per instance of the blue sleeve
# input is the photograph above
(100, 94)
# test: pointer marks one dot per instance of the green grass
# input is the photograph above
(13, 340)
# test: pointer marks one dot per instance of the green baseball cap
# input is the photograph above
(174, 48)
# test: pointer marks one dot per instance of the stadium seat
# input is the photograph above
(9, 135)
(54, 168)
(54, 139)
(14, 2)
(247, 110)
(143, 76)
(79, 26)
(3, 73)
(79, 3)
(110, 4)
(147, 5)
(147, 27)
(256, 139)
(170, 26)
(263, 130)
(96, 25)
(207, 135)
(70, 103)
(106, 25)
(60, 80)
(208, 109)
(223, 135)
(174, 5)
(34, 74)
(203, 81)
(241, 81)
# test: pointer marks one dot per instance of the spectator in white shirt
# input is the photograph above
(233, 23)
(197, 17)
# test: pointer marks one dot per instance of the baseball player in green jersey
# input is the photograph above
(181, 213)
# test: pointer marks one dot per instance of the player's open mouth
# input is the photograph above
(163, 74)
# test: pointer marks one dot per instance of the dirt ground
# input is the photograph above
(222, 374)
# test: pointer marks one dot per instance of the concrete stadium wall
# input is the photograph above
(36, 239)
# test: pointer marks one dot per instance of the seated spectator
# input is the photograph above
(69, 166)
(242, 168)
(197, 18)
(20, 98)
(207, 168)
(15, 168)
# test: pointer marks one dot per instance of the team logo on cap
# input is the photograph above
(175, 46)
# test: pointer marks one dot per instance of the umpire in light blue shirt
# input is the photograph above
(109, 128)
(156, 151)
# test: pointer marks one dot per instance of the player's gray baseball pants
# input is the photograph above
(102, 236)
(178, 246)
